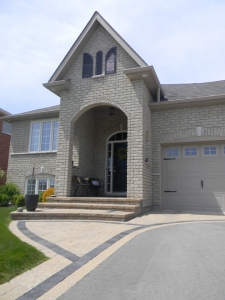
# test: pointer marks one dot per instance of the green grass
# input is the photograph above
(16, 257)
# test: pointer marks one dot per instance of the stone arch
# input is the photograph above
(85, 108)
(215, 131)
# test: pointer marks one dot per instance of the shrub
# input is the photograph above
(40, 196)
(20, 200)
(13, 199)
(10, 189)
(4, 200)
(47, 193)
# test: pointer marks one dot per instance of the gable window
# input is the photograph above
(210, 150)
(99, 60)
(44, 136)
(87, 66)
(110, 61)
(38, 185)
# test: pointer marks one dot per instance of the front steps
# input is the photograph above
(83, 208)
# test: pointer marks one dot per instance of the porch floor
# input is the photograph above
(83, 208)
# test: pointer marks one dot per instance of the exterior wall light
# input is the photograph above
(144, 75)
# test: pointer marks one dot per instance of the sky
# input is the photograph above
(183, 39)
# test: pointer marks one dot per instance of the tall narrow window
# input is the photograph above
(99, 56)
(87, 65)
(35, 137)
(44, 136)
(110, 61)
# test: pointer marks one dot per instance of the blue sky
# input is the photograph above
(183, 40)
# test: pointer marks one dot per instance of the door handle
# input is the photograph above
(202, 184)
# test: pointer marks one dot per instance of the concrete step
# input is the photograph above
(78, 214)
(110, 200)
(94, 206)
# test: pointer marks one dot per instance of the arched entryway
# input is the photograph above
(116, 163)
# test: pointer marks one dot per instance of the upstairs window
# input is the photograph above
(44, 136)
(99, 60)
(87, 66)
(110, 61)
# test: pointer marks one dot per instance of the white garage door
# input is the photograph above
(194, 177)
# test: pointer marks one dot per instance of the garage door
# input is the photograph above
(194, 177)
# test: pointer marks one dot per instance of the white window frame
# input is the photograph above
(37, 183)
(190, 148)
(168, 148)
(40, 135)
(217, 150)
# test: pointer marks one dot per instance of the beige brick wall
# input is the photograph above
(84, 94)
(21, 163)
(171, 125)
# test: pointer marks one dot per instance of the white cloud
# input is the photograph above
(184, 40)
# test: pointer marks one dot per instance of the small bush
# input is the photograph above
(13, 199)
(40, 196)
(20, 200)
(10, 189)
(47, 193)
(4, 200)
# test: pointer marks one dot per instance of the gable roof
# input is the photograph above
(47, 112)
(85, 35)
(4, 112)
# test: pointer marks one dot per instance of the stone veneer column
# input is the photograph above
(64, 158)
(135, 156)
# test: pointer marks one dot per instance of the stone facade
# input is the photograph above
(88, 94)
(4, 150)
(22, 164)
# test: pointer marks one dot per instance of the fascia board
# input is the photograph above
(208, 100)
(83, 38)
(47, 114)
(152, 79)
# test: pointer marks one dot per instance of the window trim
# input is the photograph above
(191, 155)
(206, 155)
(37, 183)
(40, 135)
(112, 50)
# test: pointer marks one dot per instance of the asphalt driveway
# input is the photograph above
(183, 261)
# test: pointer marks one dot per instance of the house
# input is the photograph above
(5, 134)
(162, 143)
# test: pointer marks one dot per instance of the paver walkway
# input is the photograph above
(76, 248)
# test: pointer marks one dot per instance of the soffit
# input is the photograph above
(148, 75)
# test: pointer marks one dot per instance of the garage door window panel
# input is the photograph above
(190, 151)
(210, 150)
(172, 152)
(223, 149)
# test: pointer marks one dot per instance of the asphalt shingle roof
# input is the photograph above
(194, 90)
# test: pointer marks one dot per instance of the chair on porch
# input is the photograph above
(82, 182)
(88, 184)
(96, 184)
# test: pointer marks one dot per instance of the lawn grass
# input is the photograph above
(16, 257)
